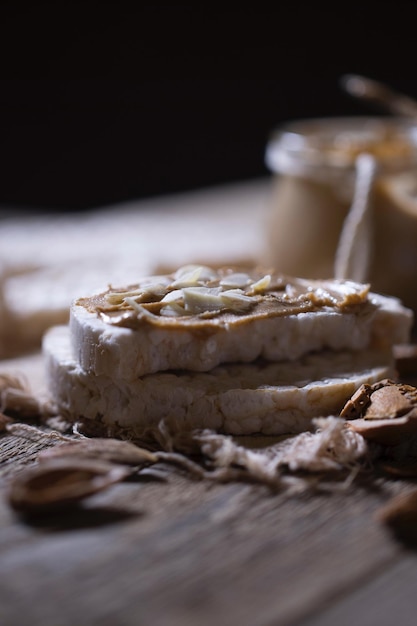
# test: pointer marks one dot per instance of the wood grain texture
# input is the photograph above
(164, 549)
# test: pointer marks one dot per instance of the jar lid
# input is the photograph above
(306, 146)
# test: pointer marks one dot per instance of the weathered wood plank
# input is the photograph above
(388, 597)
(182, 552)
(165, 549)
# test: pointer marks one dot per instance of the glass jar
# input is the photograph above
(314, 162)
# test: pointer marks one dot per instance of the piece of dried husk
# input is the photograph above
(386, 432)
(356, 405)
(114, 450)
(57, 484)
(385, 412)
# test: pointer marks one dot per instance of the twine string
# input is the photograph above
(353, 253)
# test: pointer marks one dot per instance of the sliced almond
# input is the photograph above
(260, 285)
(235, 280)
(201, 299)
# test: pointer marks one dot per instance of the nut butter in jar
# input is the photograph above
(314, 162)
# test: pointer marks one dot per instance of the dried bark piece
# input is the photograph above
(58, 484)
(388, 402)
(385, 398)
(358, 402)
(387, 432)
(385, 412)
(114, 450)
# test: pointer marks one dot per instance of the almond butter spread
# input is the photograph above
(199, 296)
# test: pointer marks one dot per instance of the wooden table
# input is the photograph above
(166, 549)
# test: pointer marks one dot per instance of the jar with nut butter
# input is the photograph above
(315, 178)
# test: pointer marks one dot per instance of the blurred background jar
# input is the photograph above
(314, 165)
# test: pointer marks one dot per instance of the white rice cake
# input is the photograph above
(32, 301)
(260, 319)
(268, 398)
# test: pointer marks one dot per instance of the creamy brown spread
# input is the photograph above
(198, 296)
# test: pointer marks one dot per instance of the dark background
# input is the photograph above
(103, 102)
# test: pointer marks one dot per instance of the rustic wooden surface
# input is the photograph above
(167, 549)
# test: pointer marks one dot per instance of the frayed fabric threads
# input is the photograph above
(332, 447)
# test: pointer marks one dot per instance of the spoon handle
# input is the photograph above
(380, 94)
